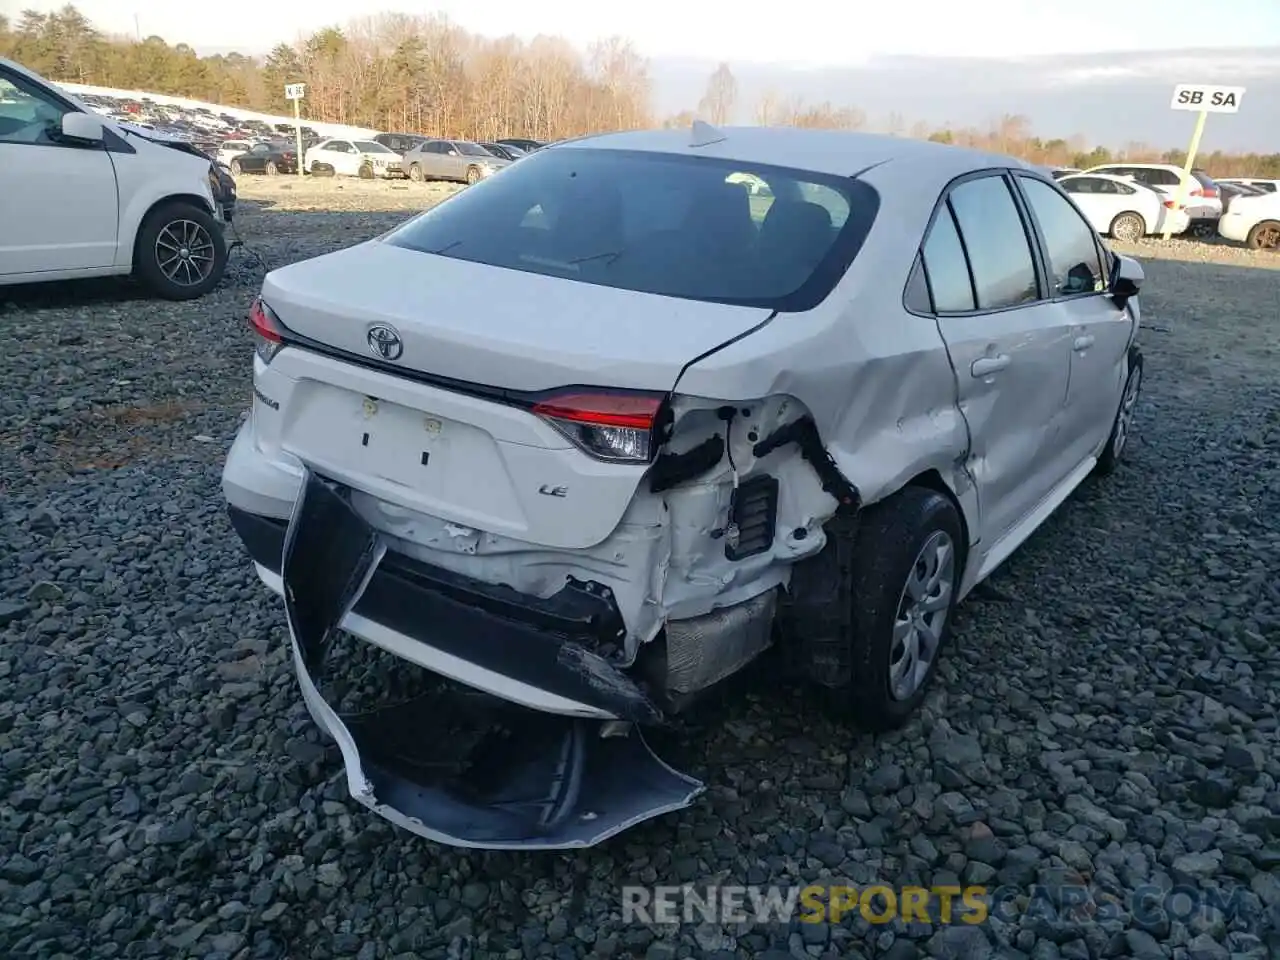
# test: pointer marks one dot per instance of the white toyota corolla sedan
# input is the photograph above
(591, 436)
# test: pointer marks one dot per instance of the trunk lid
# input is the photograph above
(484, 465)
(498, 327)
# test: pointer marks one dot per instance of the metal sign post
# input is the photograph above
(1204, 99)
(295, 92)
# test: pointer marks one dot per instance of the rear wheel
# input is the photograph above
(415, 173)
(1128, 227)
(366, 172)
(272, 169)
(473, 175)
(234, 166)
(908, 561)
(1264, 236)
(180, 253)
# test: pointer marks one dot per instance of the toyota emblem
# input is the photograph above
(385, 342)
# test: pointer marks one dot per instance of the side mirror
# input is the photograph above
(82, 126)
(1126, 279)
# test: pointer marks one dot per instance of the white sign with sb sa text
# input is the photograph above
(294, 91)
(1206, 96)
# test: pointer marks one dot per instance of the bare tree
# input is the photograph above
(767, 108)
(718, 102)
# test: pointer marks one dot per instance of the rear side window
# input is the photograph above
(945, 266)
(1074, 264)
(1004, 272)
(667, 224)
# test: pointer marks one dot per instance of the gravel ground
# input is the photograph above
(1106, 718)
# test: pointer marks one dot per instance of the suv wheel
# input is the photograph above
(908, 562)
(180, 253)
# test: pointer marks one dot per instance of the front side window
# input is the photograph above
(657, 223)
(27, 113)
(1074, 264)
(1004, 272)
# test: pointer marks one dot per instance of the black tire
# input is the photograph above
(234, 166)
(1264, 236)
(1128, 227)
(890, 539)
(272, 169)
(415, 173)
(473, 175)
(366, 172)
(161, 230)
(1122, 425)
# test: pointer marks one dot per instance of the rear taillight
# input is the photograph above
(268, 331)
(1169, 204)
(618, 427)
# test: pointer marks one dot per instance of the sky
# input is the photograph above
(825, 35)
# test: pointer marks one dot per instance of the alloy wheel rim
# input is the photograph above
(921, 620)
(184, 252)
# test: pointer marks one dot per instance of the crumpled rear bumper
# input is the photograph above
(459, 768)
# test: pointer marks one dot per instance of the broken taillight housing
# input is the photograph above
(617, 427)
(268, 331)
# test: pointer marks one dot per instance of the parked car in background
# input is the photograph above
(82, 196)
(270, 158)
(689, 427)
(366, 159)
(228, 150)
(1059, 172)
(1267, 186)
(502, 151)
(458, 160)
(522, 143)
(1123, 208)
(400, 143)
(1199, 195)
(1253, 221)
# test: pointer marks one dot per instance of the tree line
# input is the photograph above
(425, 74)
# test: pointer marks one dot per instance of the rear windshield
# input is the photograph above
(368, 146)
(472, 149)
(674, 225)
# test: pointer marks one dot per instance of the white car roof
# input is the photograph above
(835, 152)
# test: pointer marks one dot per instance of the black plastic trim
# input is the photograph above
(548, 644)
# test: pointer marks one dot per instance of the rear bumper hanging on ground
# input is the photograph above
(460, 768)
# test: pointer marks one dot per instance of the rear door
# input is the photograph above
(59, 208)
(1096, 197)
(1100, 331)
(1007, 343)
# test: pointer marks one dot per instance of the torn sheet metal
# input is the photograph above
(512, 779)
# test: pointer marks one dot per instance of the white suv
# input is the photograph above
(590, 436)
(84, 196)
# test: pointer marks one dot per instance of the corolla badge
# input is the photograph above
(384, 341)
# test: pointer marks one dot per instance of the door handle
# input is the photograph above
(989, 365)
(1083, 343)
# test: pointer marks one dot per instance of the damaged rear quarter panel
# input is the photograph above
(876, 379)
